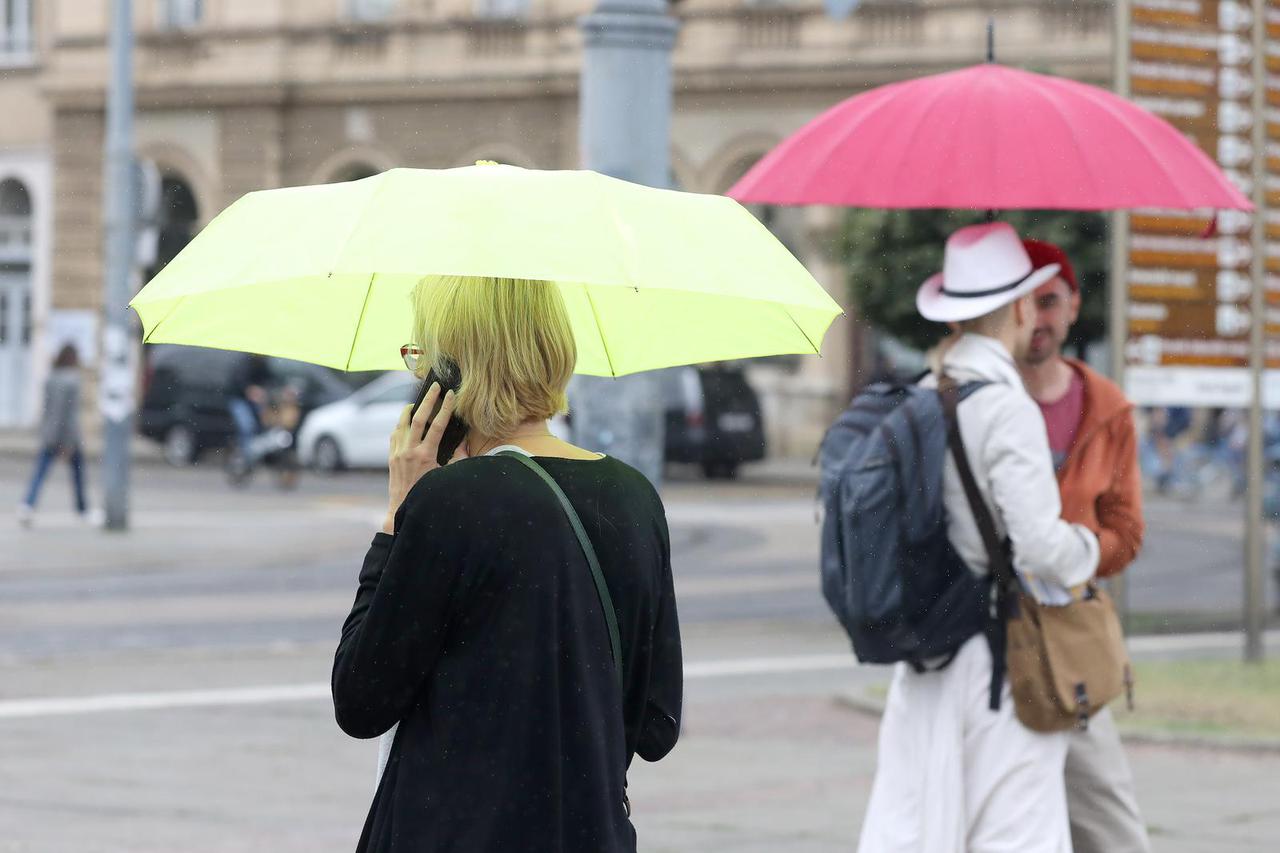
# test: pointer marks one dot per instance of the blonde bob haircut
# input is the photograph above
(511, 341)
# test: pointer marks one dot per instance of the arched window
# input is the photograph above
(14, 198)
(15, 218)
(15, 28)
(179, 214)
(15, 298)
(354, 172)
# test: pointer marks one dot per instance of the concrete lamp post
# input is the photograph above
(625, 114)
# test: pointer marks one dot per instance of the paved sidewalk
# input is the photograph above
(767, 762)
(22, 443)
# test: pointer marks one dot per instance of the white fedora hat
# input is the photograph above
(985, 268)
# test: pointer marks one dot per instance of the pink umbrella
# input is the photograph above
(989, 137)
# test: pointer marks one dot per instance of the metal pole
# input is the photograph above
(1254, 587)
(1118, 317)
(625, 119)
(116, 371)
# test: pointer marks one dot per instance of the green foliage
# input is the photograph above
(889, 253)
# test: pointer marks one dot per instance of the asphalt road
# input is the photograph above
(209, 566)
(165, 689)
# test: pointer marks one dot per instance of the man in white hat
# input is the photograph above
(953, 775)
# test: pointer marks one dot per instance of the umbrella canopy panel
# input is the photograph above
(652, 278)
(989, 138)
(367, 318)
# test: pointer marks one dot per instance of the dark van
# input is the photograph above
(713, 419)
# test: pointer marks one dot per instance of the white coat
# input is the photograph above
(954, 776)
(1008, 449)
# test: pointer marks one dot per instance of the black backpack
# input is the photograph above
(889, 571)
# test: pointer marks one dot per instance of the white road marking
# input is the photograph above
(719, 585)
(233, 696)
(19, 708)
(768, 666)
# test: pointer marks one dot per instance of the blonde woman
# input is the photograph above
(478, 626)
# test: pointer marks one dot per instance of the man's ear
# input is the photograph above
(1021, 310)
(1075, 301)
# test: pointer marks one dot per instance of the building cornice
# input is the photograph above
(780, 78)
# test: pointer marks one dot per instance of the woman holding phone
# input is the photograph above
(515, 615)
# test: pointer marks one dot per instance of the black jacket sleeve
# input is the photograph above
(394, 634)
(661, 726)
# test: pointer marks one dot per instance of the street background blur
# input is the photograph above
(166, 687)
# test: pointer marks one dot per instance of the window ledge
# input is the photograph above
(18, 60)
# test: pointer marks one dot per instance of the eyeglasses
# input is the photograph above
(413, 357)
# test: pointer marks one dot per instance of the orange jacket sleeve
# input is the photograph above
(1119, 508)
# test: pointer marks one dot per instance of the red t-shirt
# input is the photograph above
(1062, 418)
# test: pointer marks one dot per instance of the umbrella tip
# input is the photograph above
(991, 39)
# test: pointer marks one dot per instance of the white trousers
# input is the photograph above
(954, 776)
(1100, 795)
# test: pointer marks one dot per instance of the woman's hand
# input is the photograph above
(413, 453)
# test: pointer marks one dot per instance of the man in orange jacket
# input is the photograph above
(1094, 444)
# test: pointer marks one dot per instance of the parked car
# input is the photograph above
(353, 432)
(712, 419)
(184, 399)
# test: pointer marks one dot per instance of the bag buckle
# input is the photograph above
(1082, 707)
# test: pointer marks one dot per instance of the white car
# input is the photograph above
(354, 432)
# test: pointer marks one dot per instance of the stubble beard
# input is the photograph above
(1034, 357)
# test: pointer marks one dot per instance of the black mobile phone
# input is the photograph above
(450, 379)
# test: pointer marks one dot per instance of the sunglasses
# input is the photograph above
(413, 356)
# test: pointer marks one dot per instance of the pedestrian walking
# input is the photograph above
(954, 775)
(59, 435)
(515, 619)
(1095, 449)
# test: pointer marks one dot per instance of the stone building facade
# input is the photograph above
(235, 95)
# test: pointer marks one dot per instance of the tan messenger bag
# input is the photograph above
(1064, 663)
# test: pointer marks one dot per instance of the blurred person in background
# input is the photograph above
(1162, 461)
(1094, 444)
(479, 644)
(248, 396)
(59, 435)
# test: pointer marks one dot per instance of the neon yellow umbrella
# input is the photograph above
(652, 278)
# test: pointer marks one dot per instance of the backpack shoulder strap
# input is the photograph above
(1001, 567)
(602, 588)
(997, 556)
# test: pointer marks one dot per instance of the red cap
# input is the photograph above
(1042, 254)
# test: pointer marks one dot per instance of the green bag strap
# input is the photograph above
(602, 588)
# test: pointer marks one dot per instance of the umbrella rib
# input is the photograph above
(809, 340)
(355, 221)
(613, 371)
(355, 335)
(926, 109)
(1051, 97)
(156, 327)
(1105, 104)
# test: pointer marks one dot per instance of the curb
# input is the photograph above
(142, 453)
(860, 702)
